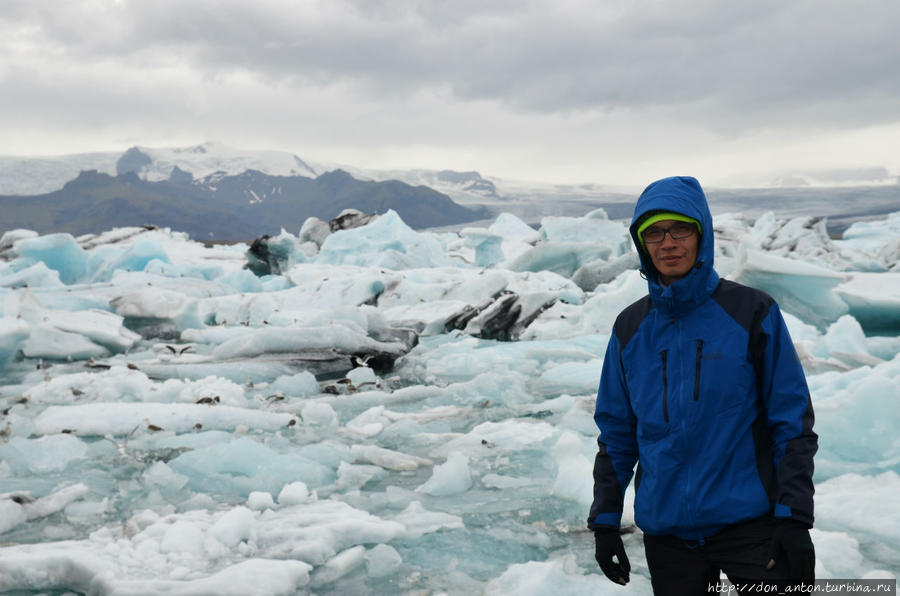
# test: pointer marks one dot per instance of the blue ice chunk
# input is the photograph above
(874, 300)
(803, 289)
(874, 235)
(37, 275)
(9, 238)
(386, 242)
(102, 263)
(277, 254)
(857, 419)
(48, 342)
(274, 283)
(59, 252)
(193, 270)
(12, 333)
(286, 248)
(488, 246)
(242, 280)
(328, 453)
(593, 228)
(241, 466)
(302, 384)
(511, 227)
(564, 258)
(62, 299)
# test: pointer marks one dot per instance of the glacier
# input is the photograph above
(387, 410)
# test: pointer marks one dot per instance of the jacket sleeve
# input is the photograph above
(789, 417)
(617, 450)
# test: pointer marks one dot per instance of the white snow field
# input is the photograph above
(391, 411)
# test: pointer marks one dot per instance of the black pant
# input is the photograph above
(690, 567)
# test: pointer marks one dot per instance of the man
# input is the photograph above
(702, 388)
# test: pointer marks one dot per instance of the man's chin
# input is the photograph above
(670, 275)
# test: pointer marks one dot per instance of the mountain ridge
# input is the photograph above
(209, 164)
(223, 207)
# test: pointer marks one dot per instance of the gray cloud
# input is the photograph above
(732, 64)
(725, 70)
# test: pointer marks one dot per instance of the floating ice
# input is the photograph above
(879, 237)
(510, 435)
(450, 478)
(387, 242)
(488, 246)
(49, 453)
(134, 258)
(594, 228)
(339, 565)
(561, 576)
(575, 471)
(804, 289)
(861, 398)
(418, 521)
(564, 258)
(59, 252)
(120, 418)
(260, 501)
(10, 237)
(46, 341)
(12, 333)
(236, 551)
(873, 300)
(858, 504)
(385, 410)
(33, 276)
(17, 508)
(301, 384)
(387, 458)
(382, 560)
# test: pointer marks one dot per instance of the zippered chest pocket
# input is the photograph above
(722, 379)
(648, 387)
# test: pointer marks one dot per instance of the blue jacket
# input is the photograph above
(702, 388)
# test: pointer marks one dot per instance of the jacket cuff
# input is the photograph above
(784, 513)
(605, 521)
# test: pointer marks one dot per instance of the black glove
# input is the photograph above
(791, 539)
(608, 543)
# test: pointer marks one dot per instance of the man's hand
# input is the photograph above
(791, 538)
(608, 543)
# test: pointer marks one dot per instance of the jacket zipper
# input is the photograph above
(697, 376)
(665, 397)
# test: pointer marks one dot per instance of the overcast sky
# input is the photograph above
(569, 91)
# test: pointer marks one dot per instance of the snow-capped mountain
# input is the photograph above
(207, 163)
(222, 206)
(37, 175)
(212, 158)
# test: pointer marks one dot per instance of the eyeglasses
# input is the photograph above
(677, 231)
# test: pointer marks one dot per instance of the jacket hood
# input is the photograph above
(679, 194)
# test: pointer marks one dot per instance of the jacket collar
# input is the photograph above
(684, 295)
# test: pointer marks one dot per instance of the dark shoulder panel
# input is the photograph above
(746, 305)
(630, 319)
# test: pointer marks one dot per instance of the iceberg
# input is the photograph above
(873, 299)
(371, 409)
(804, 289)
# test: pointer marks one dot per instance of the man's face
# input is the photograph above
(673, 258)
